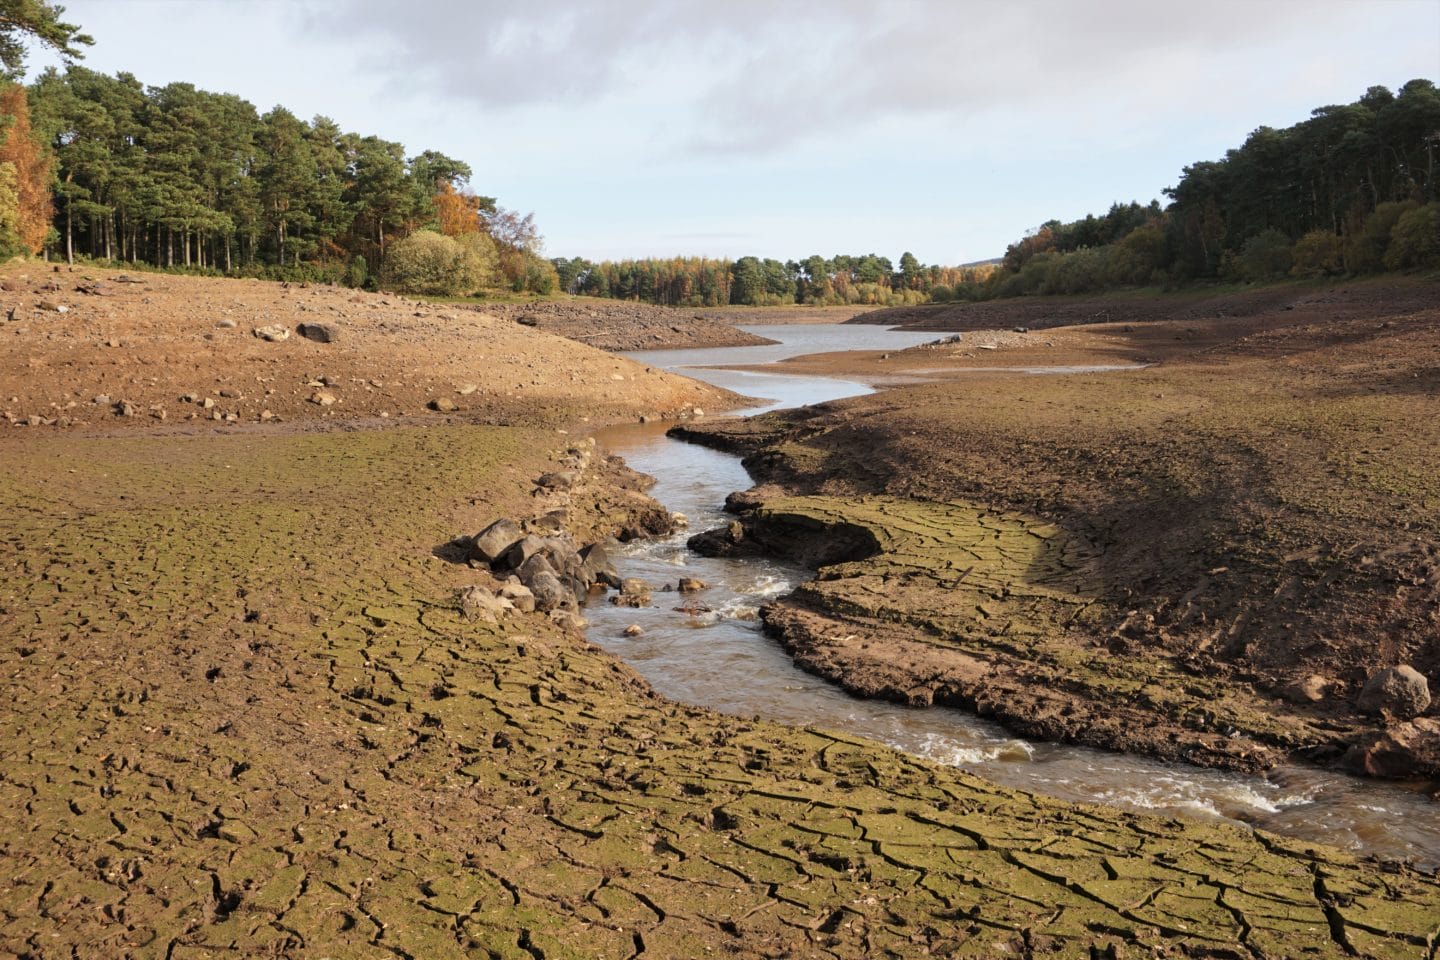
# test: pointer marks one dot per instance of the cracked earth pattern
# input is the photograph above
(244, 718)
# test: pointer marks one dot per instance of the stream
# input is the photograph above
(713, 653)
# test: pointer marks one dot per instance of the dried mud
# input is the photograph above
(245, 717)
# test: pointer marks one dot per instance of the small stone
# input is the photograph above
(125, 409)
(273, 333)
(634, 630)
(466, 389)
(319, 332)
(190, 398)
(691, 585)
(443, 405)
(230, 394)
(226, 324)
(1309, 689)
(323, 398)
(558, 480)
(207, 403)
(101, 400)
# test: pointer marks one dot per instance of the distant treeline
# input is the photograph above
(1352, 190)
(703, 282)
(174, 176)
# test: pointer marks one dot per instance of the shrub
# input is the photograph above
(1365, 251)
(1415, 239)
(1317, 254)
(433, 264)
(1265, 256)
(940, 293)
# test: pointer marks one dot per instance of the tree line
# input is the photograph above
(178, 177)
(755, 281)
(1354, 189)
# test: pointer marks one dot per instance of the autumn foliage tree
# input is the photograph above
(26, 178)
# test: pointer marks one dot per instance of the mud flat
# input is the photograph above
(1203, 559)
(244, 715)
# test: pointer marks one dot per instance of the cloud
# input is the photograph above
(755, 76)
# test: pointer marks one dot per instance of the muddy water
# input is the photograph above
(707, 649)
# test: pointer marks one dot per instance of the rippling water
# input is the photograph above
(707, 649)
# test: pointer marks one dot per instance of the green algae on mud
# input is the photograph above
(244, 716)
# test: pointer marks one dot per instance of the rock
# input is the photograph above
(323, 398)
(319, 332)
(477, 603)
(230, 394)
(443, 405)
(634, 630)
(634, 592)
(490, 544)
(691, 585)
(1401, 691)
(208, 403)
(568, 619)
(558, 480)
(101, 400)
(1405, 751)
(125, 409)
(521, 550)
(465, 389)
(679, 520)
(226, 324)
(1309, 689)
(519, 595)
(51, 306)
(538, 563)
(273, 333)
(550, 593)
(598, 567)
(653, 521)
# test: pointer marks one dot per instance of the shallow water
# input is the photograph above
(710, 652)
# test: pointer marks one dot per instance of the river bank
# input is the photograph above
(1204, 559)
(245, 712)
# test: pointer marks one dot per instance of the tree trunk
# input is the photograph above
(69, 235)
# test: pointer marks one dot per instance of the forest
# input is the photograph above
(177, 177)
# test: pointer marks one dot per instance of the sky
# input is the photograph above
(785, 128)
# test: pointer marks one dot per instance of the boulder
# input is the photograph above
(652, 521)
(490, 544)
(1405, 751)
(536, 564)
(319, 332)
(520, 551)
(550, 593)
(691, 585)
(1401, 691)
(598, 567)
(519, 595)
(477, 603)
(634, 592)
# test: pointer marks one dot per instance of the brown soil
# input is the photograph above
(244, 715)
(152, 343)
(1259, 506)
(622, 327)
